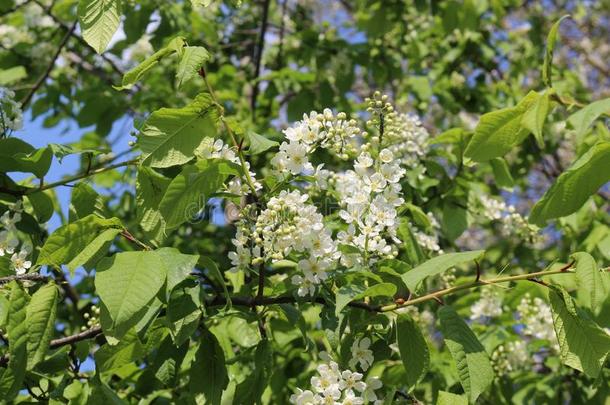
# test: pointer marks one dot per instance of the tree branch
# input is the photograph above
(68, 340)
(23, 277)
(259, 56)
(26, 100)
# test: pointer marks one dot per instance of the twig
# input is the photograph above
(26, 100)
(68, 340)
(259, 56)
(23, 277)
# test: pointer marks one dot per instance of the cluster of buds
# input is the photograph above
(92, 318)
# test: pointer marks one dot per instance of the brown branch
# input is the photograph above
(68, 340)
(258, 56)
(23, 277)
(26, 100)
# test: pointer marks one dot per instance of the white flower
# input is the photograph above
(7, 243)
(386, 156)
(352, 381)
(20, 263)
(361, 354)
(295, 158)
(314, 267)
(351, 399)
(306, 285)
(372, 384)
(303, 397)
(327, 382)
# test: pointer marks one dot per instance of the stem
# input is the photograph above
(259, 56)
(240, 153)
(23, 277)
(81, 176)
(437, 294)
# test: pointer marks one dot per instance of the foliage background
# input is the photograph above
(269, 63)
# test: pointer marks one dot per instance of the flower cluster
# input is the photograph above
(325, 130)
(537, 319)
(429, 241)
(513, 223)
(488, 306)
(369, 196)
(9, 240)
(402, 134)
(512, 356)
(334, 386)
(11, 118)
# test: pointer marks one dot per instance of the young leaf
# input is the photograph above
(76, 243)
(171, 135)
(548, 55)
(574, 186)
(42, 204)
(590, 281)
(208, 373)
(502, 173)
(534, 117)
(192, 59)
(582, 119)
(99, 20)
(259, 144)
(583, 345)
(413, 348)
(41, 314)
(437, 265)
(19, 156)
(135, 74)
(188, 192)
(412, 248)
(473, 365)
(127, 282)
(499, 131)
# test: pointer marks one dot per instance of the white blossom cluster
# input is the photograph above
(325, 130)
(32, 17)
(9, 240)
(11, 116)
(488, 306)
(512, 223)
(537, 319)
(512, 356)
(333, 386)
(429, 241)
(369, 196)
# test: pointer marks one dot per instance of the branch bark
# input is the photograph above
(259, 56)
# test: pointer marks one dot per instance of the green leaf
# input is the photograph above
(99, 20)
(12, 376)
(208, 373)
(412, 249)
(259, 143)
(414, 351)
(215, 274)
(583, 345)
(150, 188)
(251, 389)
(19, 156)
(179, 265)
(438, 265)
(548, 55)
(499, 131)
(171, 135)
(502, 173)
(128, 350)
(189, 191)
(41, 314)
(454, 221)
(590, 281)
(574, 186)
(76, 243)
(419, 216)
(473, 365)
(135, 74)
(12, 75)
(85, 201)
(583, 118)
(449, 398)
(191, 61)
(127, 282)
(352, 292)
(42, 204)
(534, 117)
